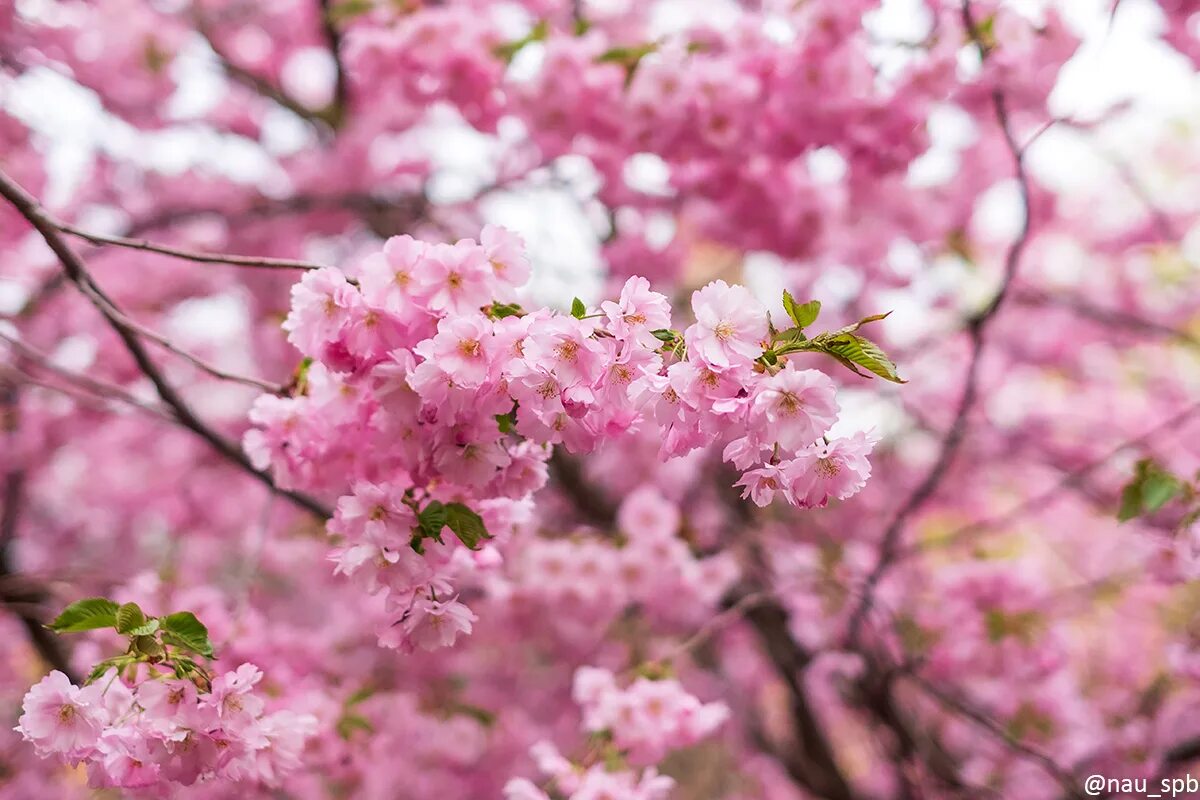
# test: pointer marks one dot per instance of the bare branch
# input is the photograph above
(188, 255)
(77, 273)
(341, 90)
(22, 597)
(976, 327)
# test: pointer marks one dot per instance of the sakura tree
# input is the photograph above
(605, 400)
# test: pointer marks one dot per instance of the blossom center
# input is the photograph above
(567, 350)
(789, 402)
(724, 330)
(827, 468)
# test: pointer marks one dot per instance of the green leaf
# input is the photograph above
(627, 56)
(86, 615)
(858, 351)
(129, 618)
(502, 310)
(578, 309)
(148, 646)
(803, 315)
(117, 662)
(347, 10)
(985, 32)
(1152, 488)
(432, 519)
(665, 335)
(466, 524)
(792, 334)
(509, 50)
(506, 422)
(349, 723)
(182, 629)
(148, 629)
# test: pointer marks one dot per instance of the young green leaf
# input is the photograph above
(1152, 488)
(802, 314)
(432, 519)
(466, 524)
(350, 723)
(129, 618)
(578, 309)
(665, 335)
(148, 629)
(86, 615)
(347, 10)
(182, 629)
(858, 351)
(502, 310)
(509, 50)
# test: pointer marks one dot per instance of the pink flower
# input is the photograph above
(126, 760)
(431, 624)
(59, 717)
(645, 513)
(794, 407)
(523, 789)
(564, 346)
(462, 349)
(505, 253)
(169, 703)
(731, 326)
(638, 312)
(837, 469)
(761, 484)
(232, 697)
(455, 278)
(387, 278)
(375, 514)
(321, 305)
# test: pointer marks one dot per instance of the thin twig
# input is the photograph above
(967, 533)
(890, 540)
(77, 273)
(189, 255)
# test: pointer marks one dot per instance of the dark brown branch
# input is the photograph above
(976, 327)
(341, 90)
(77, 273)
(1111, 317)
(188, 255)
(811, 763)
(968, 532)
(968, 711)
(22, 597)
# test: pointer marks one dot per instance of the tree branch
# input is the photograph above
(341, 90)
(976, 326)
(22, 597)
(188, 255)
(77, 273)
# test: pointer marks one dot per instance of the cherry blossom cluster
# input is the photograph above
(648, 717)
(165, 731)
(442, 398)
(641, 723)
(1015, 589)
(594, 576)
